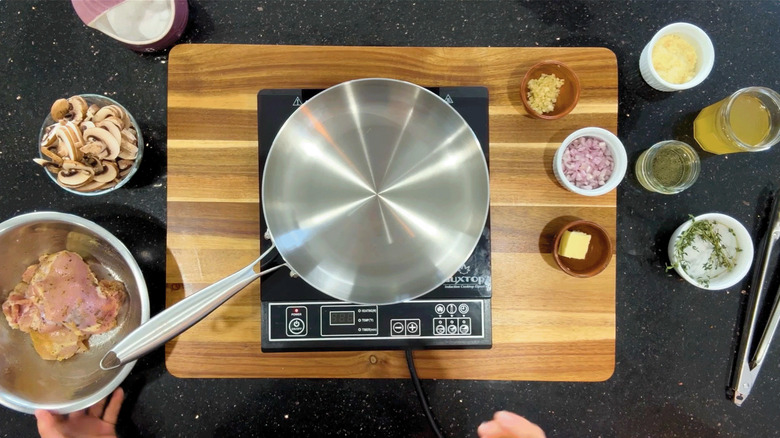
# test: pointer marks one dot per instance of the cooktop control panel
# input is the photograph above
(337, 325)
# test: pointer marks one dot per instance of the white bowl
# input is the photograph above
(618, 154)
(142, 26)
(744, 257)
(705, 56)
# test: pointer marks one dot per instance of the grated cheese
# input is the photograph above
(674, 59)
(543, 92)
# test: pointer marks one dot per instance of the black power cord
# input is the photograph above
(421, 395)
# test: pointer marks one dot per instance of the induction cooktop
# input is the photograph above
(297, 317)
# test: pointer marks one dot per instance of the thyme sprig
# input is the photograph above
(718, 257)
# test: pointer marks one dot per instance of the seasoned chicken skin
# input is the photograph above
(61, 303)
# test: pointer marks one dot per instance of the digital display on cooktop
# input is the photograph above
(342, 318)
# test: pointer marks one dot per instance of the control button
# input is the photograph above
(412, 328)
(451, 308)
(452, 329)
(398, 327)
(296, 320)
(464, 326)
(463, 308)
(296, 326)
(438, 326)
(439, 308)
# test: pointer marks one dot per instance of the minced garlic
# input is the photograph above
(674, 59)
(543, 92)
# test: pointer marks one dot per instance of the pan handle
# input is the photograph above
(182, 315)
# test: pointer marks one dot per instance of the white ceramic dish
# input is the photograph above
(744, 258)
(618, 154)
(705, 55)
(144, 26)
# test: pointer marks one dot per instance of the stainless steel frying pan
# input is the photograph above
(374, 191)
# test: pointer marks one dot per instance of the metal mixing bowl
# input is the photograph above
(28, 382)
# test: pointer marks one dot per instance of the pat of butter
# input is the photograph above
(574, 244)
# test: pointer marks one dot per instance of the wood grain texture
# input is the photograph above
(546, 325)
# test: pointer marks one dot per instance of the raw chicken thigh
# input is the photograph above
(61, 303)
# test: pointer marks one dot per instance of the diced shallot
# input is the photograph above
(587, 162)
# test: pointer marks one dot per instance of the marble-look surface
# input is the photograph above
(675, 343)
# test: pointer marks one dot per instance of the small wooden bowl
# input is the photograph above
(599, 251)
(569, 94)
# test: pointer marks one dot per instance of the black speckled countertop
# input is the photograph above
(675, 343)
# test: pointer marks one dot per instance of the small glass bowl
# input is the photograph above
(599, 252)
(101, 101)
(568, 96)
(677, 150)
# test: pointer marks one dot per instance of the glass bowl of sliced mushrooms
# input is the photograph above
(89, 144)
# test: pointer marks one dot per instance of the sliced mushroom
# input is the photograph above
(95, 185)
(50, 135)
(111, 125)
(124, 164)
(59, 109)
(109, 173)
(108, 111)
(86, 125)
(48, 165)
(71, 140)
(127, 155)
(117, 122)
(73, 178)
(54, 157)
(101, 134)
(76, 165)
(94, 162)
(128, 151)
(78, 109)
(90, 186)
(61, 150)
(129, 136)
(96, 148)
(126, 120)
(91, 111)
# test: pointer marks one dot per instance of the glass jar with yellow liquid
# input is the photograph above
(746, 121)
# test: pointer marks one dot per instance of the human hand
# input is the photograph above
(97, 421)
(508, 425)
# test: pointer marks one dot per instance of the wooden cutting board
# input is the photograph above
(546, 324)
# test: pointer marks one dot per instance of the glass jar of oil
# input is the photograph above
(746, 121)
